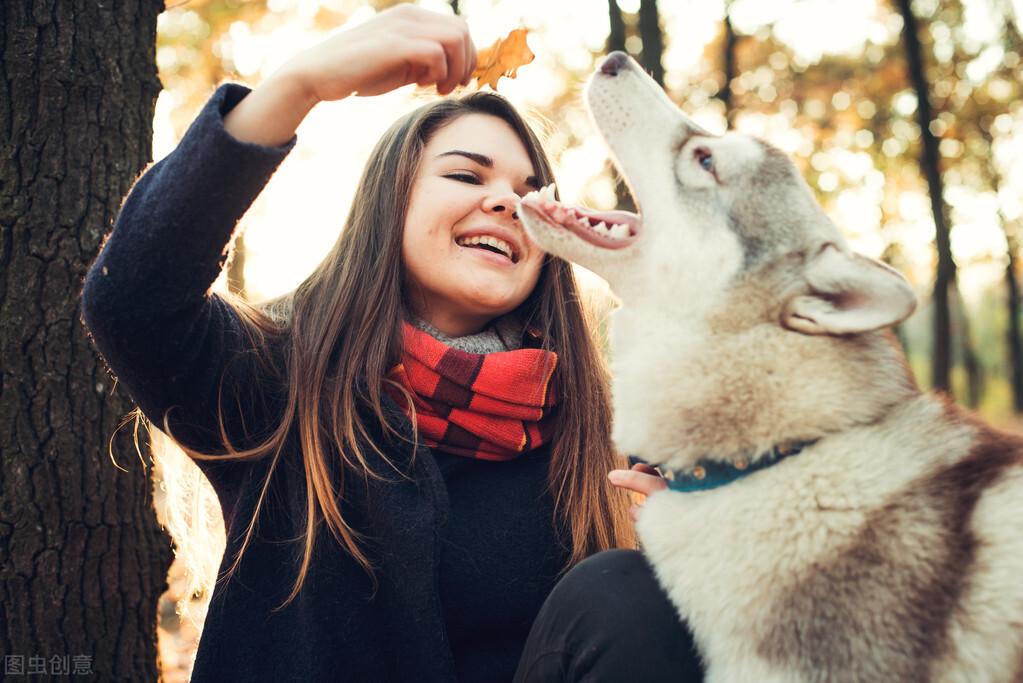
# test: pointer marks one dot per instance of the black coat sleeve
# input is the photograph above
(146, 299)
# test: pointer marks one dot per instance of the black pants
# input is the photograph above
(607, 619)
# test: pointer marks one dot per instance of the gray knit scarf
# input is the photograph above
(502, 334)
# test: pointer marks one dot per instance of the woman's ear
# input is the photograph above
(848, 294)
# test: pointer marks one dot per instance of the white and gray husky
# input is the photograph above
(830, 522)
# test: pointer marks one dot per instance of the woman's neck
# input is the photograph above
(502, 334)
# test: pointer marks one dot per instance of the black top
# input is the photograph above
(466, 551)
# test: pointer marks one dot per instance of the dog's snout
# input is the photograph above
(615, 62)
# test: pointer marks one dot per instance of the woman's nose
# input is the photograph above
(503, 204)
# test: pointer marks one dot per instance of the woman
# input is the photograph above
(433, 322)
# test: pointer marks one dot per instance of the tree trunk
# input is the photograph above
(650, 33)
(1015, 340)
(730, 42)
(454, 6)
(616, 41)
(930, 165)
(83, 560)
(971, 363)
(616, 37)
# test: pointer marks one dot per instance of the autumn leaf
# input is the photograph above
(503, 58)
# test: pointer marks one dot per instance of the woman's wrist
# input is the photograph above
(272, 112)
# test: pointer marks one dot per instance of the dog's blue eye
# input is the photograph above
(704, 158)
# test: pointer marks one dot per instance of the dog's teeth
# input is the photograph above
(601, 227)
(619, 231)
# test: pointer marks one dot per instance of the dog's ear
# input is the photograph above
(849, 293)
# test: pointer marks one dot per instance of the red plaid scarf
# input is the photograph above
(492, 406)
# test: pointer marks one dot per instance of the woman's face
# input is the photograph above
(469, 177)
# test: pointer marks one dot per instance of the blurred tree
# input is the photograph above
(652, 38)
(616, 41)
(930, 165)
(83, 560)
(729, 65)
(1013, 333)
(616, 35)
(1011, 90)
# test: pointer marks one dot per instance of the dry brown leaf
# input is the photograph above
(503, 58)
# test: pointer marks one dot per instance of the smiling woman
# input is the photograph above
(419, 433)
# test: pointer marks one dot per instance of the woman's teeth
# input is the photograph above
(489, 241)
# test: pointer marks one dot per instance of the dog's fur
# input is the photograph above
(889, 550)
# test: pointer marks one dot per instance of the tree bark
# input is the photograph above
(930, 161)
(650, 33)
(83, 560)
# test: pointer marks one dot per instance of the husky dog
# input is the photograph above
(857, 529)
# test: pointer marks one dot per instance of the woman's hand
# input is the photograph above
(642, 479)
(402, 45)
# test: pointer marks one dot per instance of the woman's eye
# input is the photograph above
(464, 178)
(704, 159)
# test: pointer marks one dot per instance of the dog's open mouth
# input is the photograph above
(605, 229)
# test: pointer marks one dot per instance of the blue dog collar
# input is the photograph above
(709, 474)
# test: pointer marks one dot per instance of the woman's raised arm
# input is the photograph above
(146, 299)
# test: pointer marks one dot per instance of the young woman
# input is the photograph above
(411, 449)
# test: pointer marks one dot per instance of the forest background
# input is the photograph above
(905, 118)
(913, 147)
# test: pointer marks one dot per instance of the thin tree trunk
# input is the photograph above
(1015, 340)
(945, 276)
(454, 6)
(730, 42)
(616, 36)
(83, 560)
(650, 33)
(971, 363)
(616, 41)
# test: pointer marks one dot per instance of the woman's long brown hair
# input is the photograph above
(339, 333)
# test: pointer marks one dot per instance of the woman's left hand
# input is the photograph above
(642, 479)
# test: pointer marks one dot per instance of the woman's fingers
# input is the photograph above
(642, 478)
(637, 480)
(470, 57)
(454, 49)
(401, 45)
(430, 63)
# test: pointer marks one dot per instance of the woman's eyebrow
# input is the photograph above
(481, 159)
(486, 162)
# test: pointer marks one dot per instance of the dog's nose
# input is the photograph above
(615, 62)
